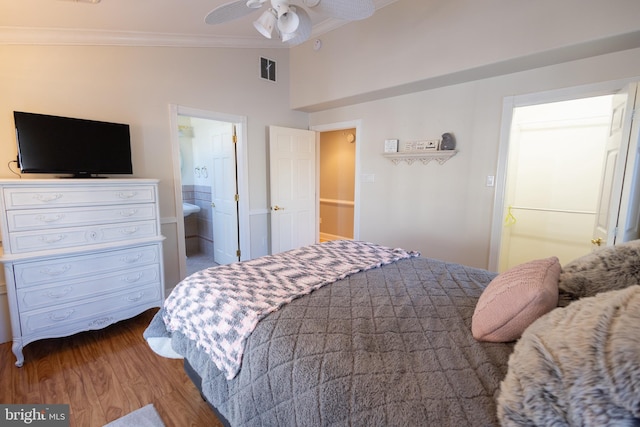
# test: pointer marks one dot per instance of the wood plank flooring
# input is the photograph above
(104, 375)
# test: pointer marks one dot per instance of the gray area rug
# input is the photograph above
(147, 416)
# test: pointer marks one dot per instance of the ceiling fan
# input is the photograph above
(288, 19)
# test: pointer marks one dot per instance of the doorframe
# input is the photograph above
(352, 124)
(508, 105)
(242, 176)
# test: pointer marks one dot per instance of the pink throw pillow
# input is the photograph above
(515, 299)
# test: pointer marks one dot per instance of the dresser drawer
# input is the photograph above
(93, 313)
(21, 198)
(73, 267)
(30, 241)
(38, 219)
(78, 254)
(35, 297)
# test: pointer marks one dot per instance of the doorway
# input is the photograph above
(337, 159)
(338, 204)
(211, 188)
(554, 170)
(552, 194)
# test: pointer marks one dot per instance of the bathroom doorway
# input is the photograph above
(211, 188)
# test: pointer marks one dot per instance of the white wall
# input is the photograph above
(445, 210)
(135, 85)
(414, 45)
(422, 67)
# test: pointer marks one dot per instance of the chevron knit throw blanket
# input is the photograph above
(219, 307)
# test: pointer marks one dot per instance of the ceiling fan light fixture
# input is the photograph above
(280, 6)
(289, 21)
(266, 23)
(255, 4)
(285, 37)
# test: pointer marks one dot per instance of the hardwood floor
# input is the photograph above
(104, 375)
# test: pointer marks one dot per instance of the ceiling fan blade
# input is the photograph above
(228, 12)
(350, 10)
(304, 28)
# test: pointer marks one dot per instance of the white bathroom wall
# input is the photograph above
(185, 139)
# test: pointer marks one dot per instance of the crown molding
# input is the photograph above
(88, 37)
(83, 37)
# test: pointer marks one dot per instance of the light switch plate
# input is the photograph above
(368, 177)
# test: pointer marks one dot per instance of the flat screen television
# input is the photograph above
(64, 145)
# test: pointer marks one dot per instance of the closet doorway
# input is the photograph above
(563, 183)
(556, 154)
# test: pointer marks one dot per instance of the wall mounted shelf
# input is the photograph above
(441, 156)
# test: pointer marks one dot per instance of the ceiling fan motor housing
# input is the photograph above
(293, 22)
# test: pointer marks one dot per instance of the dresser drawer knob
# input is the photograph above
(50, 272)
(131, 259)
(49, 219)
(128, 213)
(129, 231)
(130, 279)
(46, 198)
(134, 298)
(127, 195)
(66, 291)
(64, 316)
(52, 239)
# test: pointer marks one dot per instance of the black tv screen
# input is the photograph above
(65, 145)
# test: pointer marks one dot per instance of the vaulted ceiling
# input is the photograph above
(138, 22)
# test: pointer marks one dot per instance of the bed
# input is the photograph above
(345, 333)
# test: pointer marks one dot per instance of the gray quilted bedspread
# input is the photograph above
(391, 346)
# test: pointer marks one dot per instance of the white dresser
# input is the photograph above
(79, 254)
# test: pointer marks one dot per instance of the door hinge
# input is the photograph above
(238, 253)
(235, 139)
(237, 197)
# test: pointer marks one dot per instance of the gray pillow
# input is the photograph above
(577, 366)
(605, 269)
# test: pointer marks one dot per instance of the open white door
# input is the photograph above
(629, 216)
(224, 195)
(610, 202)
(292, 160)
